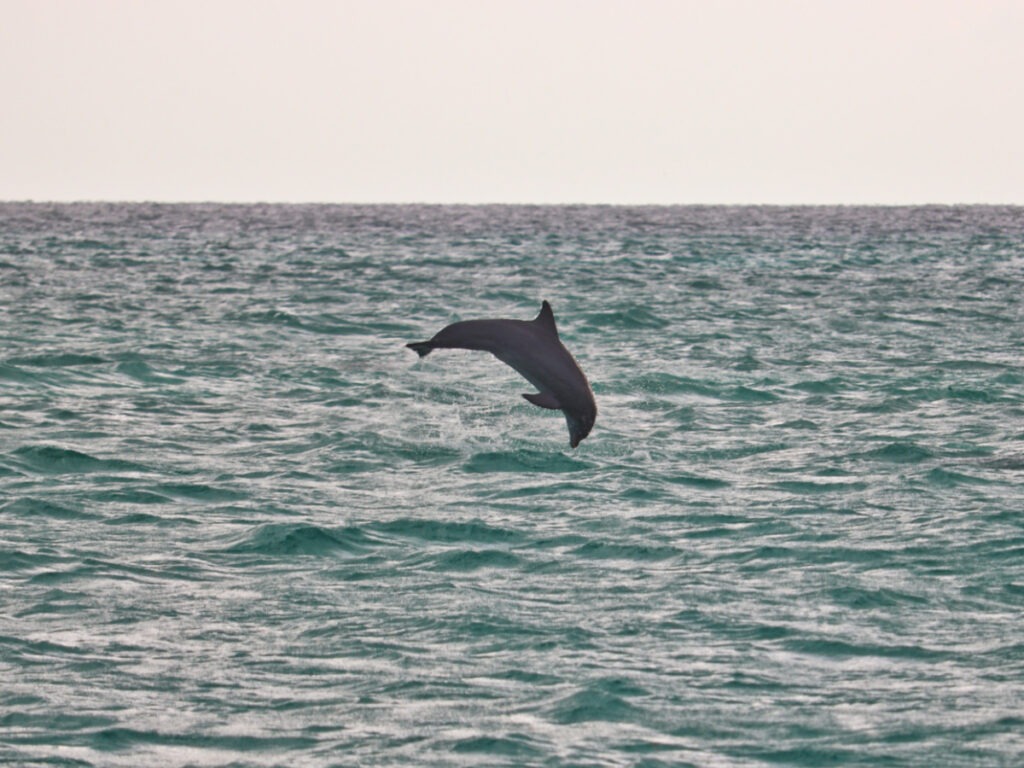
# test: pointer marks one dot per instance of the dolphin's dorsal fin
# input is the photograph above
(546, 318)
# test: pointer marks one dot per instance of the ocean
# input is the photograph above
(242, 525)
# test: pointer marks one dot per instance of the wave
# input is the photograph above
(51, 459)
(278, 539)
(524, 461)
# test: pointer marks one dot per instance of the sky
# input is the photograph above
(513, 101)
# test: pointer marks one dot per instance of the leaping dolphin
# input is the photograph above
(533, 348)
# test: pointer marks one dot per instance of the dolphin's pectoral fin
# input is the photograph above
(544, 400)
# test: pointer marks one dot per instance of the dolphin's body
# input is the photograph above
(533, 348)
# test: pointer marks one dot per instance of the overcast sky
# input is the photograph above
(606, 101)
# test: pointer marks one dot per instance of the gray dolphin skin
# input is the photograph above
(533, 348)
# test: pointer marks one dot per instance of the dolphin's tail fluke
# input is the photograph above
(422, 348)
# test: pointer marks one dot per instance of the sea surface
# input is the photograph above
(242, 525)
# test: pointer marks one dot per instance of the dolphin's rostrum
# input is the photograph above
(533, 348)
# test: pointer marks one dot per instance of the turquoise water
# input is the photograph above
(241, 524)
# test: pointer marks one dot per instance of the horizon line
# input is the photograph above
(509, 204)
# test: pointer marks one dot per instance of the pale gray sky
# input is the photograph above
(548, 101)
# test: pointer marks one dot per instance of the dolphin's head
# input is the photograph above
(580, 423)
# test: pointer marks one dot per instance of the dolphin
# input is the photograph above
(533, 348)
